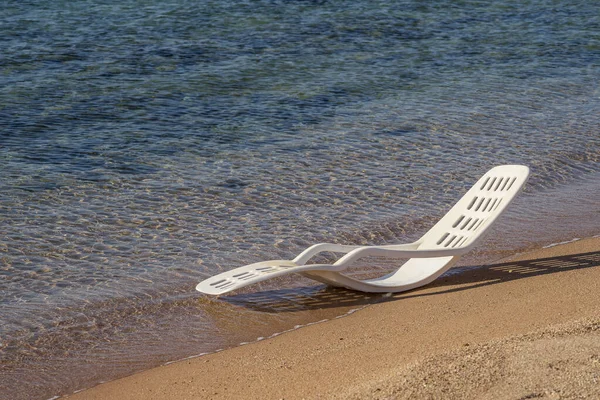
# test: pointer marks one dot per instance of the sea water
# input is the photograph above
(146, 145)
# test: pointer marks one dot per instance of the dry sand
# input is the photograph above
(526, 328)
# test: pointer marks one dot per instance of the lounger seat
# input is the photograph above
(429, 257)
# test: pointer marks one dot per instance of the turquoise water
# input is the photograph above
(146, 145)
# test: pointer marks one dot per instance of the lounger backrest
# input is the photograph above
(476, 211)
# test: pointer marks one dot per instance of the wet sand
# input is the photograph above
(528, 327)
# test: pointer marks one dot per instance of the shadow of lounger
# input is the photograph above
(290, 300)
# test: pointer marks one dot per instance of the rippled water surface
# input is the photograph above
(145, 145)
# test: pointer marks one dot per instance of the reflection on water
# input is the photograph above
(146, 146)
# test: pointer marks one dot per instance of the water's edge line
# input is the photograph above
(295, 328)
(452, 271)
(559, 243)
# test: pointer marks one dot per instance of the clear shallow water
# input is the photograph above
(147, 145)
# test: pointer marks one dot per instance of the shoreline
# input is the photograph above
(135, 336)
(349, 356)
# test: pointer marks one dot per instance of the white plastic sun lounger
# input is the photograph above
(429, 257)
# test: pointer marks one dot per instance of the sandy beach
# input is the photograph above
(526, 327)
(147, 146)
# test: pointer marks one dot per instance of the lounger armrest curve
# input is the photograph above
(396, 252)
(313, 250)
